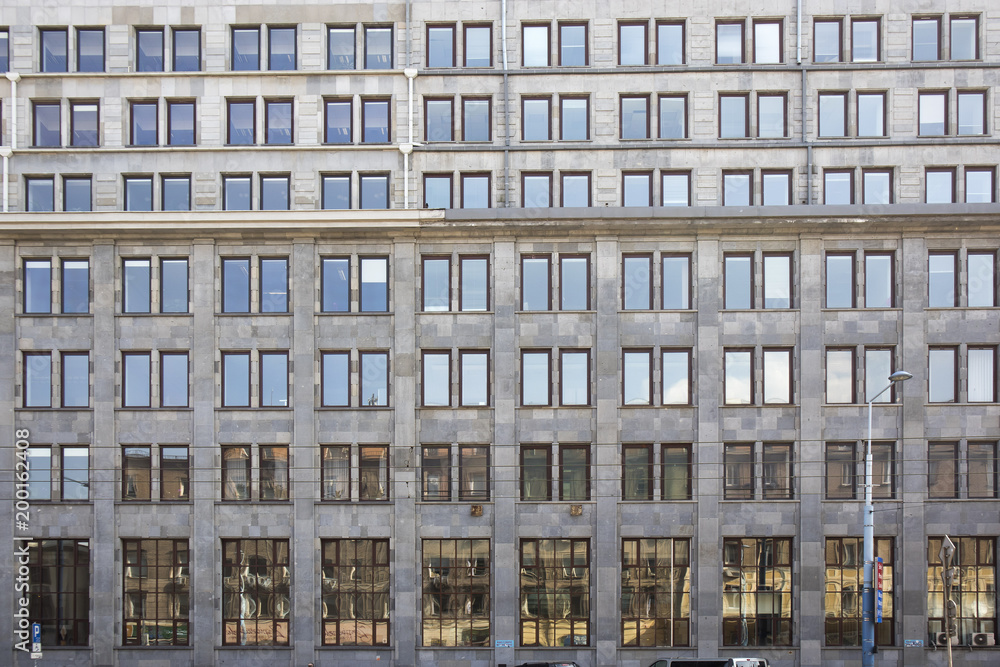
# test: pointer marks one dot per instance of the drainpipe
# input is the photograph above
(5, 154)
(805, 140)
(13, 77)
(506, 106)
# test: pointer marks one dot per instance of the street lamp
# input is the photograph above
(868, 592)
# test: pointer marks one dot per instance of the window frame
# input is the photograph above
(930, 95)
(341, 30)
(176, 53)
(548, 44)
(272, 55)
(273, 129)
(564, 399)
(725, 112)
(466, 40)
(563, 176)
(850, 184)
(372, 134)
(625, 25)
(629, 387)
(81, 132)
(584, 46)
(719, 25)
(463, 378)
(327, 388)
(467, 117)
(238, 60)
(547, 401)
(937, 37)
(781, 40)
(857, 21)
(532, 99)
(679, 23)
(839, 56)
(749, 397)
(428, 386)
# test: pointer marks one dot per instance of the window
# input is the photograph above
(75, 379)
(436, 379)
(65, 567)
(637, 377)
(138, 193)
(739, 377)
(76, 193)
(933, 114)
(942, 378)
(149, 50)
(926, 39)
(573, 45)
(46, 129)
(827, 41)
(274, 193)
(257, 610)
(676, 377)
(776, 188)
(274, 473)
(338, 127)
(374, 121)
(144, 121)
(562, 619)
(637, 188)
(634, 121)
(374, 379)
(336, 192)
(676, 466)
(777, 377)
(246, 49)
(475, 191)
(734, 121)
(241, 123)
(841, 471)
(767, 41)
(436, 287)
(274, 379)
(673, 116)
(574, 282)
(865, 42)
(982, 466)
(478, 45)
(37, 286)
(840, 380)
(771, 116)
(535, 473)
(175, 192)
(833, 114)
(41, 195)
(942, 470)
(278, 121)
(476, 113)
(441, 45)
(438, 120)
(89, 50)
(135, 379)
(981, 279)
(844, 575)
(137, 472)
(574, 377)
(174, 379)
(871, 114)
(676, 282)
(336, 379)
(574, 118)
(973, 587)
(180, 123)
(878, 367)
(336, 287)
(971, 113)
(535, 45)
(757, 591)
(378, 47)
(575, 189)
(236, 193)
(536, 381)
(236, 379)
(75, 286)
(374, 292)
(372, 473)
(982, 375)
(535, 124)
(281, 48)
(236, 285)
(75, 481)
(574, 473)
(37, 390)
(473, 279)
(737, 188)
(670, 43)
(187, 50)
(39, 481)
(4, 51)
(336, 469)
(435, 473)
(940, 186)
(675, 188)
(637, 472)
(474, 378)
(633, 43)
(83, 130)
(777, 281)
(355, 607)
(662, 618)
(455, 585)
(729, 43)
(838, 186)
(374, 191)
(156, 592)
(876, 186)
(738, 276)
(340, 48)
(776, 470)
(54, 50)
(473, 473)
(964, 38)
(536, 291)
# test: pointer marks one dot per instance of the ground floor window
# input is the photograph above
(974, 588)
(455, 593)
(356, 592)
(256, 578)
(555, 592)
(845, 571)
(656, 592)
(156, 586)
(757, 591)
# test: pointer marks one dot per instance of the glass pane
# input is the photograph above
(54, 51)
(174, 380)
(478, 40)
(144, 124)
(827, 35)
(282, 43)
(573, 473)
(676, 378)
(437, 191)
(777, 281)
(964, 39)
(436, 286)
(777, 377)
(374, 379)
(375, 116)
(878, 367)
(274, 380)
(636, 380)
(378, 48)
(635, 118)
(971, 110)
(338, 122)
(475, 374)
(832, 111)
(76, 478)
(75, 286)
(76, 194)
(39, 473)
(871, 115)
(476, 120)
(572, 45)
(925, 39)
(336, 379)
(771, 116)
(441, 46)
(837, 187)
(574, 283)
(736, 189)
(236, 285)
(37, 380)
(676, 473)
(336, 192)
(738, 280)
(839, 281)
(176, 194)
(575, 378)
(149, 50)
(637, 189)
(90, 50)
(534, 473)
(341, 45)
(37, 286)
(839, 376)
(374, 284)
(536, 45)
(669, 44)
(876, 186)
(535, 378)
(41, 195)
(138, 194)
(931, 112)
(878, 281)
(573, 119)
(982, 470)
(437, 379)
(187, 50)
(535, 287)
(676, 283)
(864, 41)
(729, 43)
(438, 119)
(767, 42)
(732, 116)
(336, 284)
(273, 285)
(236, 380)
(632, 44)
(775, 189)
(982, 382)
(279, 123)
(47, 130)
(136, 373)
(637, 288)
(374, 192)
(535, 120)
(76, 380)
(739, 385)
(982, 277)
(475, 192)
(237, 193)
(180, 116)
(575, 190)
(246, 49)
(941, 280)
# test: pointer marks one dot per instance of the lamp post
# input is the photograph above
(868, 592)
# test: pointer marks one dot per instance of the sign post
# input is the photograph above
(878, 590)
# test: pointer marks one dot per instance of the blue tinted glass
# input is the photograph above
(176, 193)
(41, 195)
(374, 379)
(136, 372)
(90, 50)
(76, 194)
(282, 43)
(173, 286)
(237, 193)
(341, 48)
(236, 285)
(338, 122)
(241, 123)
(180, 118)
(279, 122)
(274, 285)
(136, 286)
(187, 50)
(274, 380)
(246, 49)
(75, 286)
(149, 51)
(236, 385)
(336, 192)
(144, 124)
(374, 284)
(54, 51)
(138, 194)
(274, 193)
(336, 379)
(475, 192)
(374, 192)
(47, 132)
(37, 286)
(76, 380)
(174, 380)
(336, 285)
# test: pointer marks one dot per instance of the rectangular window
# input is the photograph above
(273, 379)
(256, 576)
(474, 378)
(180, 123)
(435, 473)
(75, 286)
(90, 50)
(876, 186)
(236, 473)
(637, 472)
(676, 377)
(236, 379)
(637, 289)
(281, 49)
(926, 39)
(241, 123)
(274, 473)
(535, 45)
(777, 281)
(971, 113)
(37, 286)
(973, 587)
(274, 193)
(156, 592)
(637, 377)
(865, 41)
(76, 193)
(478, 45)
(476, 114)
(75, 473)
(734, 119)
(838, 186)
(536, 379)
(871, 114)
(574, 473)
(149, 50)
(942, 280)
(39, 473)
(135, 285)
(41, 195)
(982, 470)
(737, 188)
(174, 379)
(675, 188)
(656, 592)
(739, 480)
(63, 609)
(536, 288)
(840, 378)
(574, 118)
(833, 114)
(634, 121)
(374, 291)
(374, 369)
(46, 129)
(374, 191)
(75, 379)
(378, 47)
(336, 192)
(633, 44)
(574, 377)
(246, 49)
(942, 470)
(729, 47)
(37, 390)
(336, 379)
(54, 45)
(573, 45)
(841, 471)
(138, 193)
(981, 279)
(771, 122)
(844, 577)
(336, 286)
(536, 466)
(676, 463)
(135, 379)
(673, 116)
(475, 191)
(136, 473)
(878, 368)
(739, 377)
(144, 122)
(473, 283)
(84, 126)
(738, 277)
(373, 473)
(964, 38)
(982, 375)
(438, 124)
(778, 472)
(441, 45)
(473, 473)
(236, 285)
(535, 119)
(356, 606)
(942, 378)
(574, 189)
(340, 48)
(455, 593)
(187, 50)
(436, 379)
(4, 51)
(757, 591)
(883, 471)
(767, 41)
(670, 43)
(574, 282)
(278, 122)
(932, 112)
(336, 469)
(637, 189)
(555, 620)
(879, 280)
(827, 41)
(436, 287)
(776, 188)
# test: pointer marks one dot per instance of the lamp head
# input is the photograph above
(900, 376)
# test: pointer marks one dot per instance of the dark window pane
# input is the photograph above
(176, 193)
(236, 285)
(341, 48)
(76, 194)
(138, 194)
(149, 50)
(173, 286)
(282, 49)
(336, 285)
(246, 49)
(4, 51)
(187, 50)
(273, 285)
(54, 49)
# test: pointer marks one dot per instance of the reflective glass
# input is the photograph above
(441, 46)
(676, 377)
(236, 380)
(135, 286)
(336, 379)
(374, 191)
(336, 192)
(636, 381)
(187, 50)
(149, 50)
(138, 194)
(274, 285)
(478, 41)
(341, 48)
(76, 194)
(535, 378)
(573, 119)
(174, 380)
(378, 48)
(574, 283)
(374, 284)
(536, 45)
(75, 286)
(739, 383)
(336, 284)
(37, 286)
(136, 380)
(573, 45)
(374, 379)
(436, 379)
(274, 379)
(180, 122)
(475, 378)
(89, 50)
(282, 48)
(476, 120)
(669, 44)
(246, 49)
(632, 44)
(236, 285)
(738, 279)
(474, 290)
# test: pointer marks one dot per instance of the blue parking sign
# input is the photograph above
(36, 633)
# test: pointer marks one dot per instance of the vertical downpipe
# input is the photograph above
(13, 77)
(5, 153)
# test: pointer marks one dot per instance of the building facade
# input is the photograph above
(464, 333)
